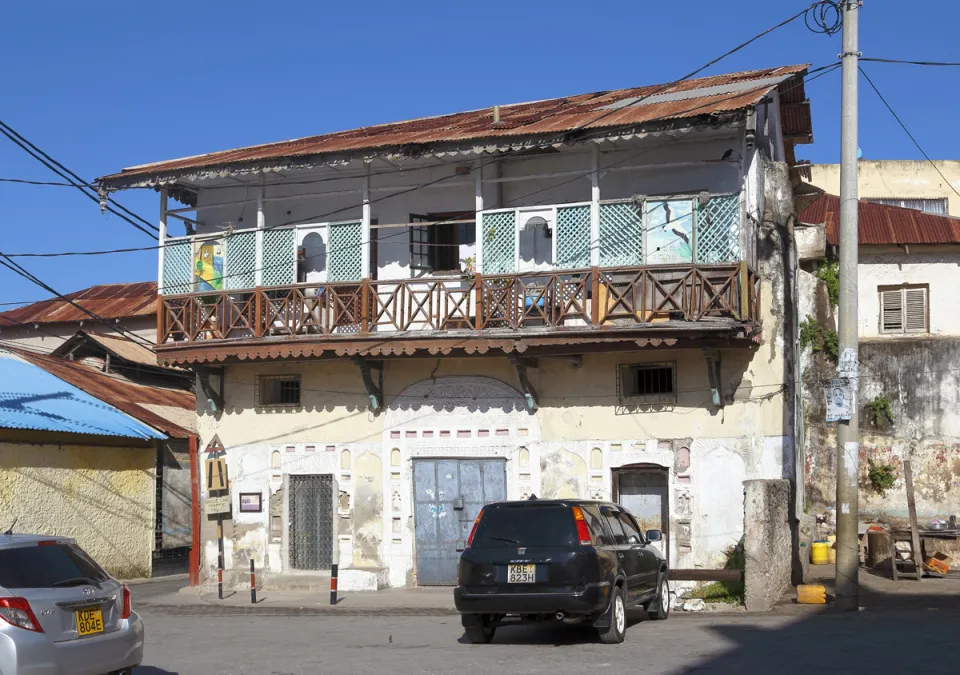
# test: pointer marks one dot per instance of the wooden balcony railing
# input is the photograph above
(607, 298)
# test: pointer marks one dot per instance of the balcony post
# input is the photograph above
(478, 221)
(261, 223)
(258, 312)
(160, 253)
(745, 309)
(365, 305)
(595, 296)
(595, 205)
(365, 225)
(478, 313)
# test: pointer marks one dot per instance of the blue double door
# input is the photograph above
(448, 496)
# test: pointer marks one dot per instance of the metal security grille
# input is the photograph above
(177, 273)
(651, 383)
(499, 242)
(718, 230)
(311, 522)
(573, 237)
(241, 261)
(279, 266)
(280, 390)
(344, 252)
(621, 234)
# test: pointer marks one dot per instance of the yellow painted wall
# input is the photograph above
(897, 178)
(101, 496)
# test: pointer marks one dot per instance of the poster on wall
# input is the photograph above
(840, 399)
(208, 265)
(669, 232)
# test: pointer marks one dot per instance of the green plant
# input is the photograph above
(829, 273)
(880, 411)
(831, 344)
(881, 476)
(819, 339)
(727, 592)
(809, 333)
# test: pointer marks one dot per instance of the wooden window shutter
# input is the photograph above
(915, 310)
(891, 311)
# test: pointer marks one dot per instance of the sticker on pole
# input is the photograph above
(839, 396)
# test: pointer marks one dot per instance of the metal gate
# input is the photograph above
(311, 522)
(448, 496)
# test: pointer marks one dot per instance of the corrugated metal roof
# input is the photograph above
(116, 345)
(31, 398)
(111, 301)
(686, 100)
(882, 225)
(129, 397)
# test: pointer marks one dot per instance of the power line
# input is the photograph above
(904, 127)
(912, 63)
(44, 182)
(68, 175)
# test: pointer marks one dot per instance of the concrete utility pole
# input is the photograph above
(848, 446)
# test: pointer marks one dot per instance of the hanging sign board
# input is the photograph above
(214, 505)
(840, 399)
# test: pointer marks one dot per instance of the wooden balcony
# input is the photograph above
(443, 314)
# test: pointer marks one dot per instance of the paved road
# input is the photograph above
(867, 642)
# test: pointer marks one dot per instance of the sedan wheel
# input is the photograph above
(659, 609)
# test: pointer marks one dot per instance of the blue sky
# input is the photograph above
(110, 84)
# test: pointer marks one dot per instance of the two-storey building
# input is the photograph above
(581, 296)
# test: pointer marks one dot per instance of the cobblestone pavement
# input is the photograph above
(915, 640)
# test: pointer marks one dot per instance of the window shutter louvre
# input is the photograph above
(915, 310)
(891, 312)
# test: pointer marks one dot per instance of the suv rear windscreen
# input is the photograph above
(47, 567)
(512, 526)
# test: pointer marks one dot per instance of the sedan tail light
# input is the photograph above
(127, 607)
(17, 612)
(583, 532)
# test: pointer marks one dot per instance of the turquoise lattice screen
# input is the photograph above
(499, 243)
(573, 237)
(279, 263)
(621, 234)
(344, 252)
(718, 230)
(241, 261)
(177, 271)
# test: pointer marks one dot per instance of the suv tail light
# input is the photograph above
(125, 612)
(583, 532)
(17, 612)
(473, 531)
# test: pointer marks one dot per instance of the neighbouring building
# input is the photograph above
(73, 465)
(909, 393)
(45, 325)
(918, 184)
(391, 326)
(100, 358)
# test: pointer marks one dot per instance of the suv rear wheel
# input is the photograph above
(617, 630)
(478, 627)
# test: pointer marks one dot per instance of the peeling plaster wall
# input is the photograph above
(104, 497)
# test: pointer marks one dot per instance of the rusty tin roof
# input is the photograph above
(622, 108)
(138, 401)
(111, 301)
(880, 224)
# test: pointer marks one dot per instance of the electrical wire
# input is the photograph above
(912, 63)
(906, 130)
(825, 17)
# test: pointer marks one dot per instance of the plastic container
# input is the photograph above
(820, 553)
(832, 550)
(811, 594)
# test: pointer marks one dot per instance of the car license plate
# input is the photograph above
(521, 574)
(89, 621)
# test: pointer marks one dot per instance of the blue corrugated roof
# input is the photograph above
(32, 398)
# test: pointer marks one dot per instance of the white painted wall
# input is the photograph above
(892, 266)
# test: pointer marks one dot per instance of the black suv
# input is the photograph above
(570, 560)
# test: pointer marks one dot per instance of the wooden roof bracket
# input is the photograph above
(529, 393)
(712, 357)
(374, 389)
(213, 393)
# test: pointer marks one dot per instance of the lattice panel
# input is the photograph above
(344, 252)
(241, 261)
(718, 230)
(279, 263)
(573, 237)
(621, 234)
(311, 522)
(499, 242)
(177, 268)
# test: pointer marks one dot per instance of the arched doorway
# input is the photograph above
(458, 440)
